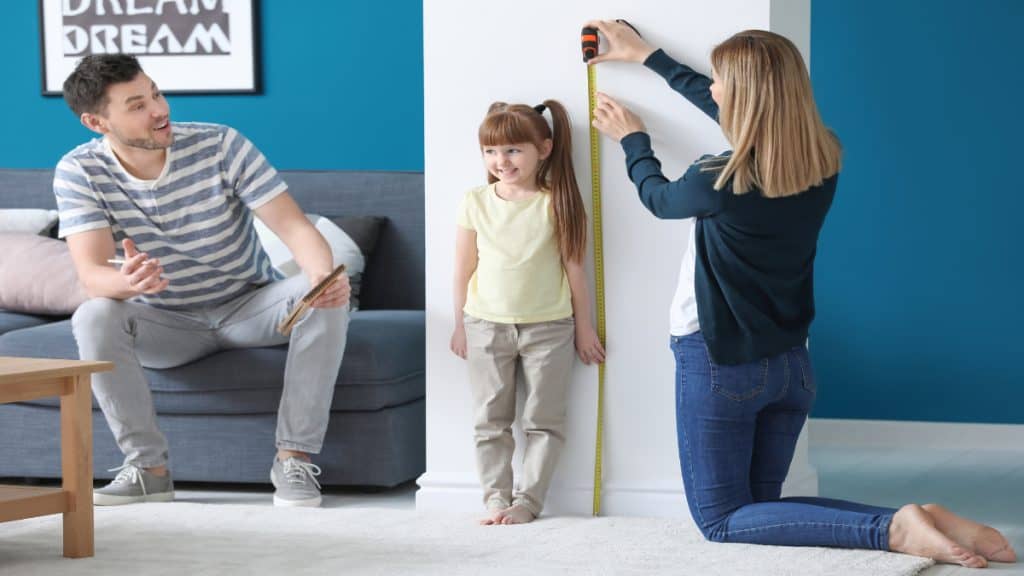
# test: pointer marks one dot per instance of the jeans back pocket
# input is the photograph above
(806, 370)
(740, 382)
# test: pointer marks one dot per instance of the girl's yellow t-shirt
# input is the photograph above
(519, 276)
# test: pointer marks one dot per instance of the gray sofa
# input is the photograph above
(219, 413)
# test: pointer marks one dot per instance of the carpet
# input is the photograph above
(214, 539)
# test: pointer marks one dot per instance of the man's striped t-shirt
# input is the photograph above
(195, 217)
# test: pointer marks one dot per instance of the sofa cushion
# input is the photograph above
(37, 275)
(351, 240)
(10, 321)
(28, 220)
(384, 366)
(364, 231)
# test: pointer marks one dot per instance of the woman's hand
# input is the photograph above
(624, 44)
(458, 343)
(615, 120)
(588, 345)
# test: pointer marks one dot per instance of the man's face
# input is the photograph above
(137, 115)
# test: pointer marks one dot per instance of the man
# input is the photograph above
(178, 200)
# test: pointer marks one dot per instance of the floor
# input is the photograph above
(399, 498)
(986, 486)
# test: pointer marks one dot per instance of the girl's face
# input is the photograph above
(515, 164)
(716, 88)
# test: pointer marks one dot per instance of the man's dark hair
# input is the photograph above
(85, 90)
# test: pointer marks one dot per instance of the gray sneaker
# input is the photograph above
(134, 484)
(295, 483)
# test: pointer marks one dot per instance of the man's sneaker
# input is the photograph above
(295, 482)
(134, 484)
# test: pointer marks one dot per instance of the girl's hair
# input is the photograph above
(518, 123)
(780, 145)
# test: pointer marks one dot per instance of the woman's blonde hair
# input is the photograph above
(518, 123)
(767, 112)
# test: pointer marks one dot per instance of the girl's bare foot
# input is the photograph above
(493, 518)
(984, 540)
(517, 514)
(913, 531)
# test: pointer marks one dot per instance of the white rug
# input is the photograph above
(214, 539)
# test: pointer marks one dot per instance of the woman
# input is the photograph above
(745, 301)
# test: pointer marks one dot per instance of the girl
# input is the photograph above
(521, 299)
(741, 313)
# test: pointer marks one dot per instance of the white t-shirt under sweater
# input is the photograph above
(683, 314)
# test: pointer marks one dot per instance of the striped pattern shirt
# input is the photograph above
(196, 217)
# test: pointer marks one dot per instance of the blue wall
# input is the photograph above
(919, 281)
(342, 79)
(919, 269)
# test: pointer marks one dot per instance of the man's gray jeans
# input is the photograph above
(133, 335)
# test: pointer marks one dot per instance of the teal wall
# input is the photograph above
(342, 79)
(919, 270)
(919, 274)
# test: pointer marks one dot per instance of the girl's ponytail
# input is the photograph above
(558, 173)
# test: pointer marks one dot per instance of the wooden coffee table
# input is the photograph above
(30, 378)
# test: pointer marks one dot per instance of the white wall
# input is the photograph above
(476, 53)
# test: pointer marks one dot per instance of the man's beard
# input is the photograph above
(144, 143)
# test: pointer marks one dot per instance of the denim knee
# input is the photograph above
(713, 531)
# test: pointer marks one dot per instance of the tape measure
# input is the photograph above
(589, 42)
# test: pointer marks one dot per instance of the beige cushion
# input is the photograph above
(37, 275)
(351, 240)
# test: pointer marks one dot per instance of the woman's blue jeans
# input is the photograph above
(738, 427)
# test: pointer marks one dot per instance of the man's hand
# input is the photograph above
(615, 120)
(141, 273)
(337, 293)
(624, 44)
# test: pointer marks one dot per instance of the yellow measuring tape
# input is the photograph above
(595, 187)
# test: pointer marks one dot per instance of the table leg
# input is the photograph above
(76, 464)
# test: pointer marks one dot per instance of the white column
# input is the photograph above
(476, 53)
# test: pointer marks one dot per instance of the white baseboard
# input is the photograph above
(452, 495)
(659, 502)
(801, 482)
(459, 491)
(898, 434)
(465, 496)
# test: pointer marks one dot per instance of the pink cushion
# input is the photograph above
(37, 275)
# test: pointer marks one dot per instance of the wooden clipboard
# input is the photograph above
(285, 327)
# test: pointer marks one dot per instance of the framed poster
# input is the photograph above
(186, 46)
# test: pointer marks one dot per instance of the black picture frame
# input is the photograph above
(216, 51)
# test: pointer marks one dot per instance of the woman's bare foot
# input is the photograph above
(517, 514)
(493, 518)
(984, 540)
(913, 531)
